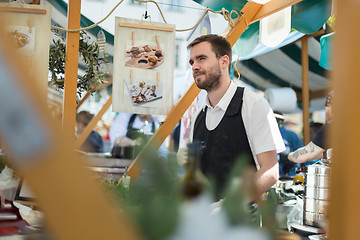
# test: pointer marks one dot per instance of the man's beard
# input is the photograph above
(212, 79)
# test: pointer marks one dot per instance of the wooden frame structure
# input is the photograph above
(251, 13)
(344, 195)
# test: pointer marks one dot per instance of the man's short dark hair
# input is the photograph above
(219, 45)
(84, 117)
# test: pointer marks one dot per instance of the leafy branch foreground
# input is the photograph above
(155, 205)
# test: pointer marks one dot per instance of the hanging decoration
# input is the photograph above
(101, 40)
(94, 75)
(27, 27)
(143, 67)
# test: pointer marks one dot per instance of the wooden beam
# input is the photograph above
(160, 135)
(146, 26)
(305, 89)
(344, 197)
(74, 204)
(272, 7)
(23, 10)
(71, 69)
(83, 100)
(81, 139)
(247, 14)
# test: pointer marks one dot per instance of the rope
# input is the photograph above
(91, 26)
(227, 16)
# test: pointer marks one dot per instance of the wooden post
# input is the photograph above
(74, 204)
(345, 194)
(71, 69)
(83, 100)
(305, 89)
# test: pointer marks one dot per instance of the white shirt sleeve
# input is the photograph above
(119, 127)
(260, 124)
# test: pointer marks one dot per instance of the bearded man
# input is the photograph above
(234, 122)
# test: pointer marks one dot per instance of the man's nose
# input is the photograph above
(195, 67)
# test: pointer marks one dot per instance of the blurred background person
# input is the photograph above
(128, 127)
(94, 142)
(292, 142)
(314, 129)
(318, 146)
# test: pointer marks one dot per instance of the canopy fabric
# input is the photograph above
(262, 67)
(326, 51)
(307, 17)
(269, 67)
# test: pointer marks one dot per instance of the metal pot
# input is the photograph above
(321, 181)
(315, 205)
(317, 169)
(317, 193)
(314, 219)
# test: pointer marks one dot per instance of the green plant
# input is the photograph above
(152, 202)
(155, 205)
(94, 76)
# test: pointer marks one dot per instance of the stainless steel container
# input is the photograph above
(318, 170)
(322, 181)
(317, 193)
(315, 205)
(312, 219)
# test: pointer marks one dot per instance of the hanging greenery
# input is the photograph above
(94, 75)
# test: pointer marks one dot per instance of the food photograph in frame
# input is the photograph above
(28, 28)
(143, 67)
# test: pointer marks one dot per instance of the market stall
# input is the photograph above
(249, 13)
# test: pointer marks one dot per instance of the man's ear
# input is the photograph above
(224, 61)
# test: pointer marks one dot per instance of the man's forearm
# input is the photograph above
(267, 174)
(308, 153)
(265, 179)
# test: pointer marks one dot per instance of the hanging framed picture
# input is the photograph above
(143, 67)
(28, 28)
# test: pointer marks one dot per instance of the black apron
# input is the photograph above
(224, 144)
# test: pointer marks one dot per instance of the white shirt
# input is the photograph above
(259, 121)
